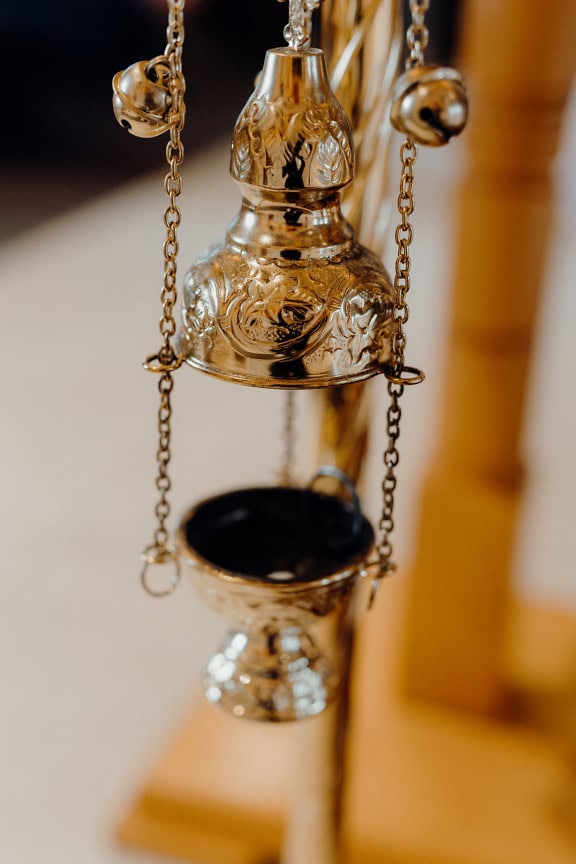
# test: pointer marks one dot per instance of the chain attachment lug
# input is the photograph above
(154, 363)
(405, 376)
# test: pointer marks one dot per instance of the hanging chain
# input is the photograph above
(298, 31)
(166, 361)
(287, 471)
(417, 33)
(398, 374)
(173, 180)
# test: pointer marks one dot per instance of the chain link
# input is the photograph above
(173, 180)
(417, 34)
(287, 472)
(417, 39)
(391, 459)
(160, 551)
(163, 482)
(403, 237)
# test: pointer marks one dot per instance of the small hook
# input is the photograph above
(379, 575)
(153, 363)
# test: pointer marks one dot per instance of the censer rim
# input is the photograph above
(348, 571)
(267, 382)
(310, 51)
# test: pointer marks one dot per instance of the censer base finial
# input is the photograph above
(270, 674)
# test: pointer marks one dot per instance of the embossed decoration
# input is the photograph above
(290, 299)
(293, 134)
(309, 321)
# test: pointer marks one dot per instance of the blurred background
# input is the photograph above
(94, 674)
(69, 147)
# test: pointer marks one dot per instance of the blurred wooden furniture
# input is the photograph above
(426, 785)
(467, 756)
(520, 65)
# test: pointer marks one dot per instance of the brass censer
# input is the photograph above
(290, 299)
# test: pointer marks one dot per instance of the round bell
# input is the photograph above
(142, 99)
(429, 103)
(281, 564)
(290, 298)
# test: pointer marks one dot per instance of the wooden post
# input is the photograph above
(519, 64)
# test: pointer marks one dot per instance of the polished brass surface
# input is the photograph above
(363, 40)
(275, 562)
(293, 133)
(142, 97)
(290, 299)
(430, 104)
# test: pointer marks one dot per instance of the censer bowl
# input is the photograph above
(276, 562)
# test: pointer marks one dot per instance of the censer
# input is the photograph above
(288, 300)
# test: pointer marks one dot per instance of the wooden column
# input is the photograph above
(519, 60)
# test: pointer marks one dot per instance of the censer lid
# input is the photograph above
(293, 133)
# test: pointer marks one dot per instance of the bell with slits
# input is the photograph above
(290, 298)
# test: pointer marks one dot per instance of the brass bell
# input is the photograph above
(290, 298)
(142, 99)
(429, 103)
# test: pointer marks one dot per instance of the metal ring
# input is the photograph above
(407, 375)
(159, 555)
(347, 483)
(154, 364)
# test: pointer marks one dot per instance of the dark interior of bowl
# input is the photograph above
(258, 532)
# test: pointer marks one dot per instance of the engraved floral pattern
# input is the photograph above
(305, 146)
(332, 316)
(271, 310)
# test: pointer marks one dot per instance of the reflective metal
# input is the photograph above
(142, 99)
(277, 562)
(290, 299)
(429, 103)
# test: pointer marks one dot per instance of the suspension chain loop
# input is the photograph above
(287, 471)
(403, 237)
(397, 373)
(163, 482)
(417, 35)
(173, 180)
(160, 552)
